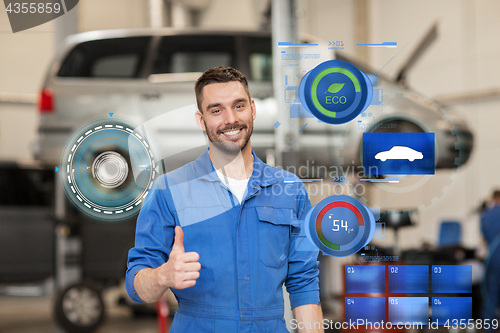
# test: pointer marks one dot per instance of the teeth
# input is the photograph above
(232, 132)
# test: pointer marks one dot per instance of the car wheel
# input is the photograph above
(382, 159)
(79, 308)
(411, 159)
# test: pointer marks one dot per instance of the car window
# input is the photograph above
(261, 60)
(122, 65)
(185, 62)
(106, 58)
(193, 53)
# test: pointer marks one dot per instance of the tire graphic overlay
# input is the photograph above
(340, 225)
(108, 169)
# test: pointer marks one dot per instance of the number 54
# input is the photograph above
(336, 225)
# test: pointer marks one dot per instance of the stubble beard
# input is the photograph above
(228, 147)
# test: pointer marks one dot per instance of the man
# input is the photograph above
(224, 232)
(490, 228)
(490, 220)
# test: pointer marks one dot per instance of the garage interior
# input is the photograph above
(445, 59)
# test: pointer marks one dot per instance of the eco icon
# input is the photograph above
(335, 91)
(335, 87)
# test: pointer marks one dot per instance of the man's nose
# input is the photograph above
(230, 116)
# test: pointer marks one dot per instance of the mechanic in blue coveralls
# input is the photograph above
(224, 232)
(490, 220)
(490, 227)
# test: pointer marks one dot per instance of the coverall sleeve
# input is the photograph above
(302, 282)
(154, 235)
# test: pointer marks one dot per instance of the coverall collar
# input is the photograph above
(262, 175)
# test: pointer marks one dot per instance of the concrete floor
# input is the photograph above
(35, 315)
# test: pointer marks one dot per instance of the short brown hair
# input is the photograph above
(221, 74)
(496, 195)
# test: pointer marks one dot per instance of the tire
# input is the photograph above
(79, 308)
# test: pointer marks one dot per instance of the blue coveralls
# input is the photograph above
(490, 223)
(247, 251)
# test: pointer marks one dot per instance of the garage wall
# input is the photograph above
(112, 14)
(24, 56)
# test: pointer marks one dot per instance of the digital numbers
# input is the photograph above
(33, 8)
(394, 301)
(340, 179)
(394, 270)
(471, 324)
(437, 270)
(336, 43)
(336, 226)
(350, 269)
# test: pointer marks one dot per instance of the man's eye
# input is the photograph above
(239, 106)
(215, 111)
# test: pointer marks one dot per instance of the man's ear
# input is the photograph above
(199, 120)
(254, 114)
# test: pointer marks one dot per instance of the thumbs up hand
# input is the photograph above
(182, 269)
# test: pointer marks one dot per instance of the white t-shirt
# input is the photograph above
(237, 187)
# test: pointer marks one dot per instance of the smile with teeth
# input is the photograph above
(232, 133)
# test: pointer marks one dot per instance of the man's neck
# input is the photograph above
(238, 166)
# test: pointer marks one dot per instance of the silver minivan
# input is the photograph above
(140, 75)
(137, 75)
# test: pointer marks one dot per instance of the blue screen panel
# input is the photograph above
(408, 278)
(365, 279)
(368, 309)
(451, 308)
(398, 153)
(409, 310)
(452, 279)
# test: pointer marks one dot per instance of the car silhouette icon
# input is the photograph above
(399, 153)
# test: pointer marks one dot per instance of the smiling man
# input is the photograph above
(224, 232)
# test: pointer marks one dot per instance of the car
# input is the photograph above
(141, 75)
(399, 153)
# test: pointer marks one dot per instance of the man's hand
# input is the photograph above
(179, 272)
(182, 269)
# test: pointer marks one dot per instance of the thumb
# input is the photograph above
(179, 240)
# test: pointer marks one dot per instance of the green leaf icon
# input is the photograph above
(335, 87)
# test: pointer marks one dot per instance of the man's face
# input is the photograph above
(228, 115)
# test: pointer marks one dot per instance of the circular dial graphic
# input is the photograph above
(108, 169)
(335, 91)
(340, 225)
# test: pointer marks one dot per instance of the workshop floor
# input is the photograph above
(35, 315)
